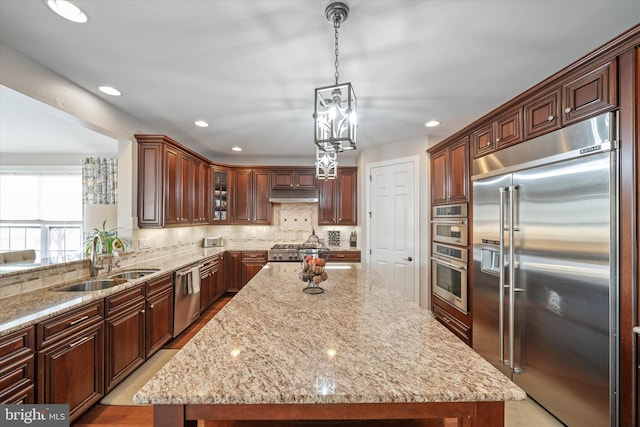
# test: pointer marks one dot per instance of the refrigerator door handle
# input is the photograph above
(512, 284)
(501, 279)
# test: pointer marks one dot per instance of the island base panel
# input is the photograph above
(462, 414)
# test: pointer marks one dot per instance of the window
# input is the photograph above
(41, 211)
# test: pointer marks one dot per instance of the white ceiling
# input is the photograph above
(249, 67)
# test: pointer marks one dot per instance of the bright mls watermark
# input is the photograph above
(34, 415)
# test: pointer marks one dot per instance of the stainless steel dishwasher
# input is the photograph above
(186, 307)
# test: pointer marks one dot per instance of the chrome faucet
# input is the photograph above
(93, 263)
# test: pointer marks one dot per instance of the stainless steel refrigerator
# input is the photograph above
(545, 268)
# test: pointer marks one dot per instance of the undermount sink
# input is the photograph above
(135, 274)
(92, 285)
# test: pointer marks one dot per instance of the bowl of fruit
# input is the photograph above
(313, 256)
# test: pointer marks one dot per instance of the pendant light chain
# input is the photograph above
(336, 25)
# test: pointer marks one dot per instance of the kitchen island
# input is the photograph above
(354, 352)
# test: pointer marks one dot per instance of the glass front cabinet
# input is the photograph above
(220, 184)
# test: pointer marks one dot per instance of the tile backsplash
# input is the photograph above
(291, 223)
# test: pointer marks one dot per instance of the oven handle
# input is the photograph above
(440, 221)
(449, 264)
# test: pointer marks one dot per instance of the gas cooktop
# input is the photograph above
(283, 252)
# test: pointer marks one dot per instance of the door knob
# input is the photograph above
(409, 259)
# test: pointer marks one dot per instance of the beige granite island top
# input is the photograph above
(355, 344)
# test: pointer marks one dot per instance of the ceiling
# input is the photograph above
(249, 67)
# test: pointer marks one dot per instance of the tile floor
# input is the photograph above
(527, 413)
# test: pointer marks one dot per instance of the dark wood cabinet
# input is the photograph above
(590, 93)
(444, 316)
(17, 367)
(497, 134)
(542, 114)
(233, 271)
(70, 359)
(159, 328)
(294, 179)
(450, 173)
(252, 263)
(125, 334)
(211, 282)
(220, 184)
(177, 205)
(337, 204)
(483, 140)
(250, 202)
(343, 256)
(201, 192)
(173, 184)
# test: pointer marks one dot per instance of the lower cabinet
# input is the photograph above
(125, 334)
(461, 329)
(252, 263)
(70, 359)
(233, 271)
(159, 313)
(17, 367)
(211, 285)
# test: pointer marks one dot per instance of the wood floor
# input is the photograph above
(142, 416)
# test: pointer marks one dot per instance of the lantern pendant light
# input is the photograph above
(326, 164)
(335, 112)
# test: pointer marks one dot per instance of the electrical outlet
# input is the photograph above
(144, 244)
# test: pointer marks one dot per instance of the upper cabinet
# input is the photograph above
(578, 95)
(504, 131)
(450, 173)
(587, 94)
(338, 198)
(220, 180)
(250, 189)
(173, 184)
(294, 179)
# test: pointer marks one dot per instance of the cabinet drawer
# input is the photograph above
(54, 329)
(17, 344)
(159, 285)
(344, 256)
(453, 324)
(124, 299)
(25, 395)
(17, 376)
(254, 255)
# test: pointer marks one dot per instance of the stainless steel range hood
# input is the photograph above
(293, 196)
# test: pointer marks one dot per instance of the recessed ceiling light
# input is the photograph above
(432, 123)
(67, 10)
(201, 123)
(236, 148)
(110, 90)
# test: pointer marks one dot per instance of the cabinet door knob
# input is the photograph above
(567, 110)
(550, 118)
(497, 139)
(488, 143)
(408, 259)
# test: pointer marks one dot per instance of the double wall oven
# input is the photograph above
(449, 255)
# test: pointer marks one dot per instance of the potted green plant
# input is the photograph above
(112, 243)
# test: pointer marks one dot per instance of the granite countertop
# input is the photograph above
(29, 308)
(355, 343)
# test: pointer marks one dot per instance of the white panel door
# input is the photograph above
(393, 237)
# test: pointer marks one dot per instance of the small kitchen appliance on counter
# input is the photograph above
(210, 242)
